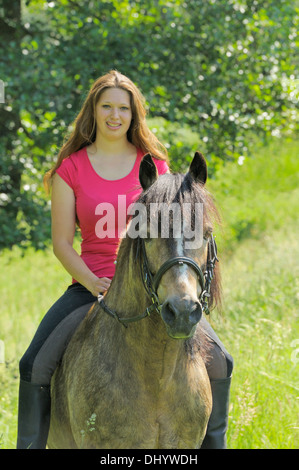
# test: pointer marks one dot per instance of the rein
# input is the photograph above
(151, 282)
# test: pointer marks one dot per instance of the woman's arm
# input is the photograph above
(63, 231)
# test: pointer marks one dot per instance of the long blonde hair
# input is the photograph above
(84, 126)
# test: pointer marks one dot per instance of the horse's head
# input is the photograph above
(178, 242)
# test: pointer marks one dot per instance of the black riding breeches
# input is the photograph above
(59, 324)
(54, 333)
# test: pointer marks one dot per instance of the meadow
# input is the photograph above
(259, 325)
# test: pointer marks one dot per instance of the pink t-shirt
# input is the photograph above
(101, 207)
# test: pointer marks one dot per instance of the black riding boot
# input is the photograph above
(34, 415)
(215, 437)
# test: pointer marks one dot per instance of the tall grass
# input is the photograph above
(259, 202)
(30, 284)
(259, 325)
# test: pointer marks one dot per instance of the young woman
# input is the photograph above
(99, 162)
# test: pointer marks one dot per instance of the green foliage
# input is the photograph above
(180, 140)
(220, 70)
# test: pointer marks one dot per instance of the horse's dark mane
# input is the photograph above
(180, 188)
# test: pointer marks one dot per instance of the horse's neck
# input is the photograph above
(126, 294)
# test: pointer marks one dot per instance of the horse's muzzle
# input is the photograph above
(181, 316)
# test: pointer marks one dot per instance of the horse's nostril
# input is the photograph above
(196, 313)
(171, 309)
(168, 313)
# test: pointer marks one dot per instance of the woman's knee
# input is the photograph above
(219, 362)
(230, 364)
(25, 367)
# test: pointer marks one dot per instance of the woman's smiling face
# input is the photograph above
(113, 113)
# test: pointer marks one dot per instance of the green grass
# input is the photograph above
(259, 202)
(29, 286)
(259, 325)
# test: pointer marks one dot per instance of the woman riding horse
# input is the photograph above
(99, 164)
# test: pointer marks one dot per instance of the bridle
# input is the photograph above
(151, 282)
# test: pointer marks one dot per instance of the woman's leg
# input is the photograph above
(219, 367)
(40, 361)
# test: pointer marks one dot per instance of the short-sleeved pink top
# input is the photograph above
(101, 207)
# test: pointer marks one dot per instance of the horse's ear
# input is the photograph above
(148, 172)
(198, 168)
